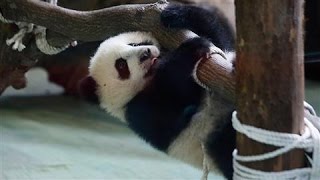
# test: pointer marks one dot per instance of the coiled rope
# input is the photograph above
(40, 36)
(309, 141)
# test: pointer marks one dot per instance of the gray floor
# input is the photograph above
(312, 94)
(50, 137)
(53, 137)
(69, 139)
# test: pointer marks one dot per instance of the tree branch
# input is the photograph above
(66, 25)
(95, 25)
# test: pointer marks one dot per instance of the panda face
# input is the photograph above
(123, 66)
(136, 62)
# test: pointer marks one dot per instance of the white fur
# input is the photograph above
(188, 145)
(114, 92)
(231, 56)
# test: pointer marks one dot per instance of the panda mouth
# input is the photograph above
(152, 67)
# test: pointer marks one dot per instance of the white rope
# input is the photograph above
(205, 163)
(42, 43)
(309, 141)
(4, 20)
(40, 36)
(309, 108)
(16, 40)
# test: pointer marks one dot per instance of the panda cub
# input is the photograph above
(159, 97)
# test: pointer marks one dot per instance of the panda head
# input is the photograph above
(122, 67)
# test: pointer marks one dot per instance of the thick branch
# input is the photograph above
(95, 25)
(66, 25)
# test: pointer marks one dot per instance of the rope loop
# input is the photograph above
(309, 141)
(40, 36)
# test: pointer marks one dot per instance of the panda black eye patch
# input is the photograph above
(121, 66)
(146, 43)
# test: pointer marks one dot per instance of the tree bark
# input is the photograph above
(65, 25)
(270, 84)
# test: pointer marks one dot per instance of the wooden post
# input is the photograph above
(270, 84)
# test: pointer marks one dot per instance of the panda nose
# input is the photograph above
(145, 55)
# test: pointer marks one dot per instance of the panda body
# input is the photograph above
(160, 99)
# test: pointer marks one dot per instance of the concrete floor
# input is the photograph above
(56, 137)
(45, 136)
(312, 94)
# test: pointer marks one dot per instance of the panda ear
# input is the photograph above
(87, 88)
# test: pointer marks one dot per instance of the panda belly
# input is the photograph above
(189, 145)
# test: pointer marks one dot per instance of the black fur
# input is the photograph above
(206, 23)
(161, 111)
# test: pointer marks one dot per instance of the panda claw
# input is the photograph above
(215, 50)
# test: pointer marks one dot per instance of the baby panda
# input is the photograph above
(159, 96)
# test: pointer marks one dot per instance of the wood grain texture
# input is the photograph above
(270, 84)
(218, 74)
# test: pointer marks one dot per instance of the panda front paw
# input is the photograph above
(214, 53)
(195, 48)
(215, 50)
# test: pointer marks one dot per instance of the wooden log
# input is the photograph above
(269, 68)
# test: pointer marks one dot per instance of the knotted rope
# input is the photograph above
(40, 36)
(309, 141)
